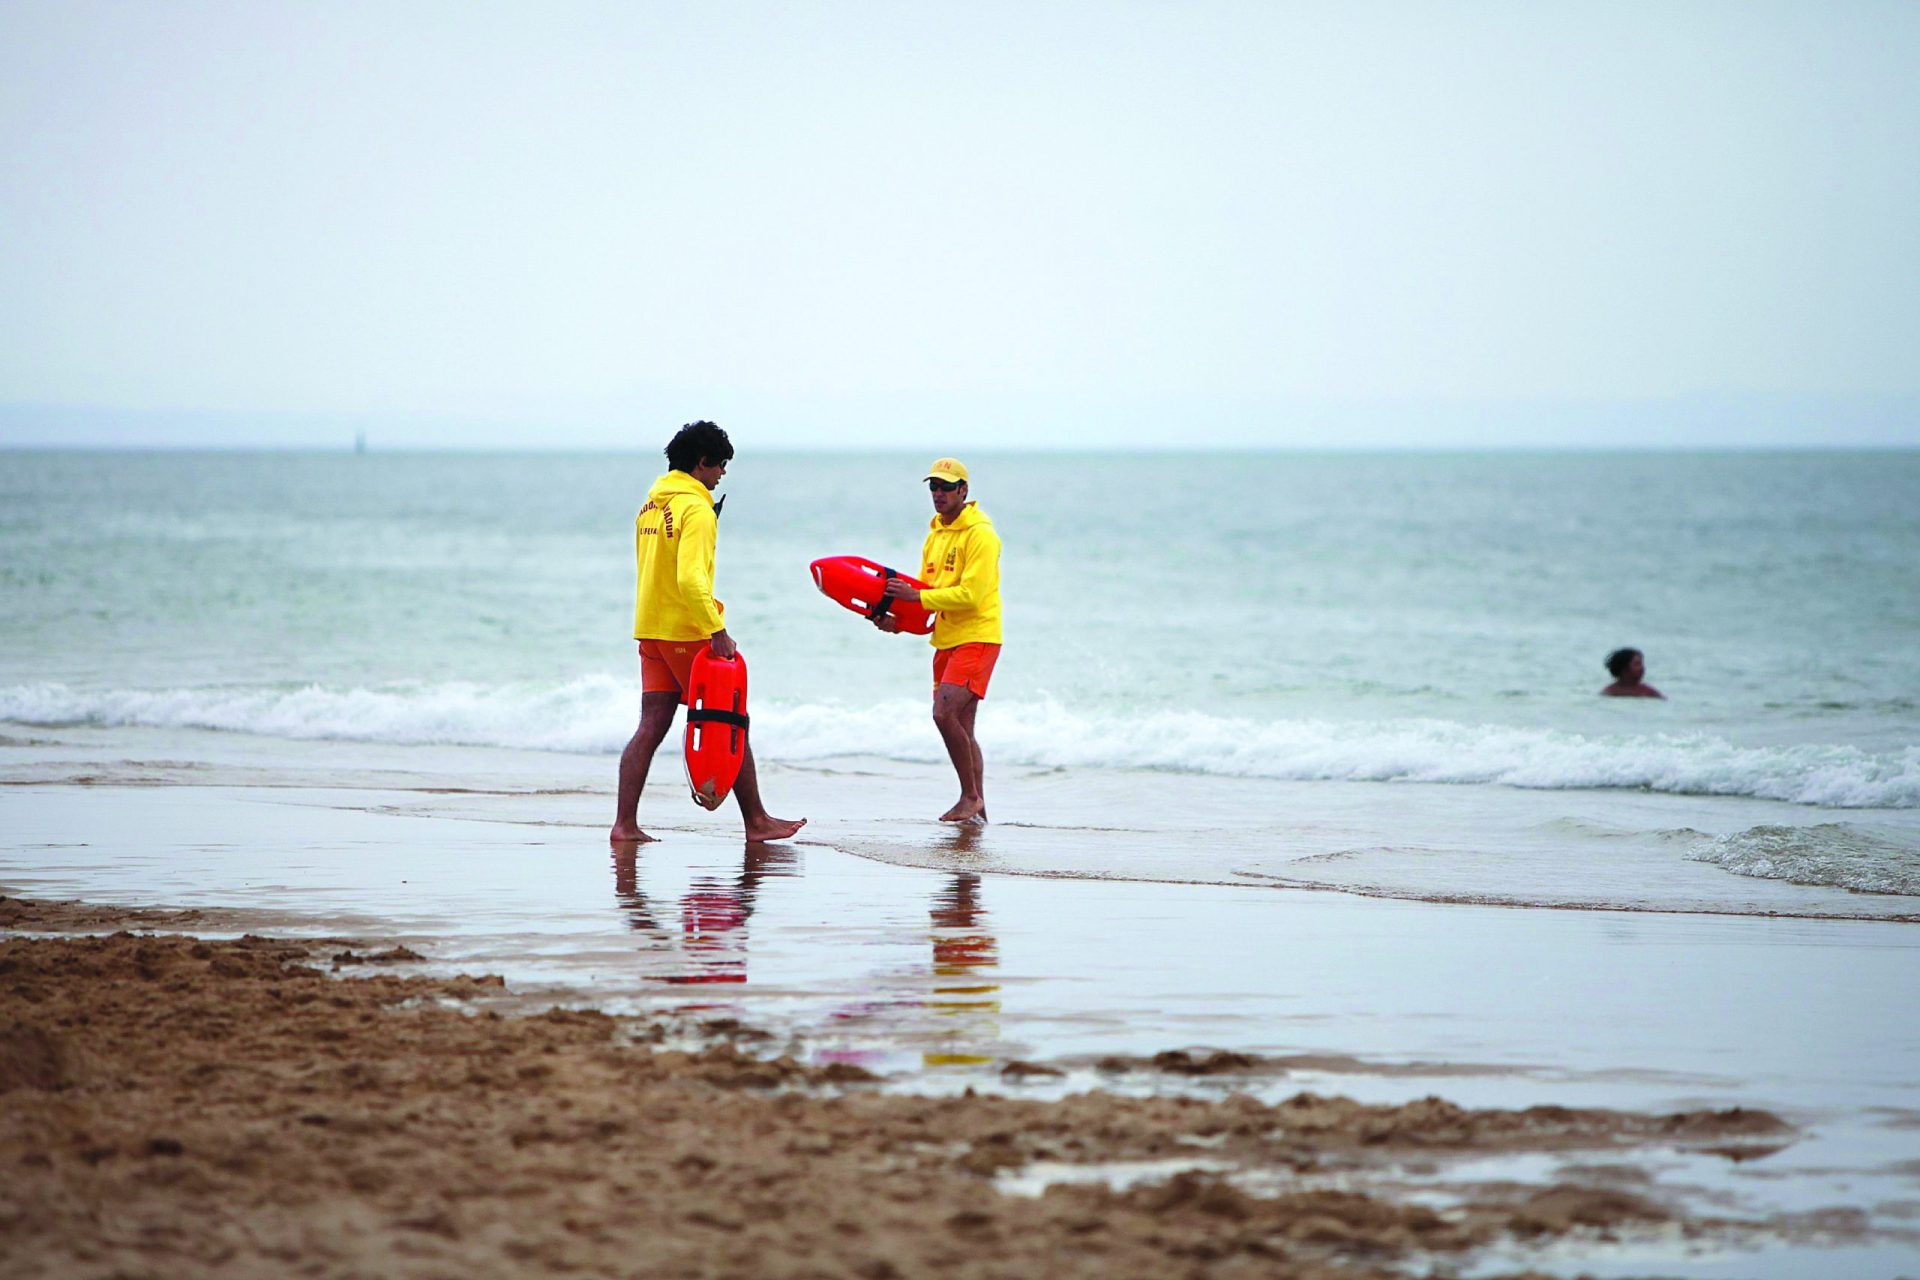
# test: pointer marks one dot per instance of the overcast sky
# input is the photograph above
(1048, 223)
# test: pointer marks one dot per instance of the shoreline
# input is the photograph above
(1623, 850)
(199, 1106)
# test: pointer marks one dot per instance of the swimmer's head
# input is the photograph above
(1621, 660)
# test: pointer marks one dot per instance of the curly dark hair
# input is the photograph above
(696, 443)
(1617, 662)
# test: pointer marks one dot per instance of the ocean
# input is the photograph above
(1404, 648)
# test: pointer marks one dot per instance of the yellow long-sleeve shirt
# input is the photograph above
(673, 543)
(960, 564)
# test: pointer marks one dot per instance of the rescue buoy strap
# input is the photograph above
(703, 715)
(886, 601)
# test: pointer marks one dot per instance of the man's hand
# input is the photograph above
(898, 590)
(887, 623)
(722, 645)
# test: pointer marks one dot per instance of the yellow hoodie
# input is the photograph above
(673, 538)
(961, 566)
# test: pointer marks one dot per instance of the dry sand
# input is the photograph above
(174, 1106)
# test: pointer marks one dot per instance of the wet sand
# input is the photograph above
(170, 1105)
(464, 1038)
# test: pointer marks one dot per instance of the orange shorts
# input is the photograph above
(666, 666)
(970, 665)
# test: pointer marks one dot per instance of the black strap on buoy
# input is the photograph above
(886, 602)
(714, 715)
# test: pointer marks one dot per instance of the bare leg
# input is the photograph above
(979, 761)
(656, 718)
(760, 824)
(954, 706)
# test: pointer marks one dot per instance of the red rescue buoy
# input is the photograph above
(857, 584)
(716, 726)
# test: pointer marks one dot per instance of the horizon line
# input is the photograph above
(358, 449)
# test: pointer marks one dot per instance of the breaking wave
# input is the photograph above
(596, 714)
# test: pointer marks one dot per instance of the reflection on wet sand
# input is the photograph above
(710, 944)
(690, 920)
(965, 954)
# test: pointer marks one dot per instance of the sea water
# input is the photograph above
(1413, 643)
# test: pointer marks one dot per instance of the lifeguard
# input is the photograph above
(960, 563)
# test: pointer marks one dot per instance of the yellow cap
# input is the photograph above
(950, 469)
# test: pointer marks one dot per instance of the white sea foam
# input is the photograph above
(1832, 853)
(596, 713)
(591, 714)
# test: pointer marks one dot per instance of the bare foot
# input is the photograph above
(628, 833)
(966, 810)
(771, 828)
